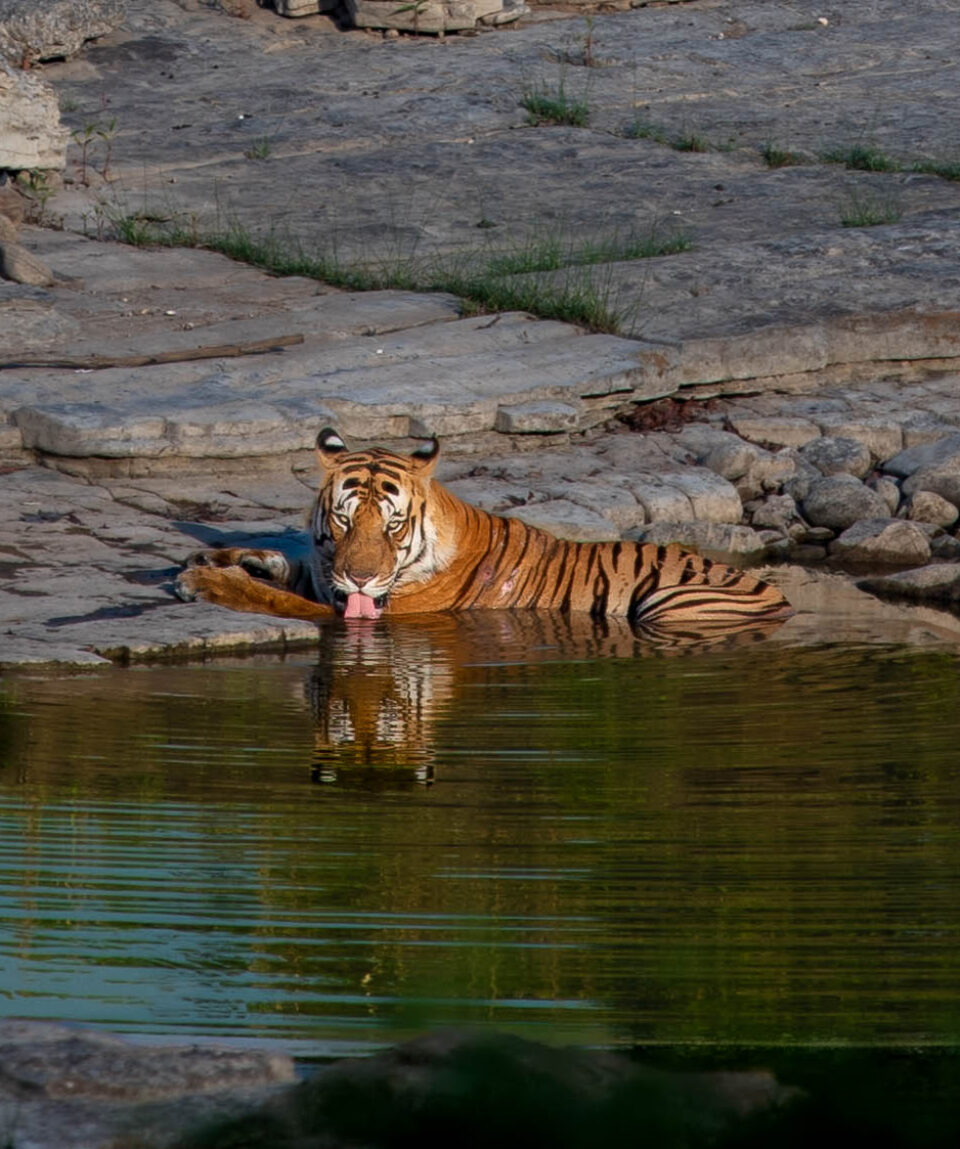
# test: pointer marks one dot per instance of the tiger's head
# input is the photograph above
(370, 525)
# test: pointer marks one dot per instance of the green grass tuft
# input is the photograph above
(775, 157)
(863, 159)
(485, 280)
(544, 107)
(866, 209)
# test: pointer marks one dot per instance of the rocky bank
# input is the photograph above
(781, 386)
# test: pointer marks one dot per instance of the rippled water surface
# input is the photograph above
(495, 820)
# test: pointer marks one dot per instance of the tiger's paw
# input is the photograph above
(270, 565)
(221, 585)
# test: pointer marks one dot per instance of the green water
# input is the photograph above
(489, 820)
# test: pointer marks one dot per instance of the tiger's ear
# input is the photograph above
(424, 458)
(329, 447)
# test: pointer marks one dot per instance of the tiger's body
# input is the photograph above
(388, 537)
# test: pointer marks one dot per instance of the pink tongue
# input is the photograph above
(361, 606)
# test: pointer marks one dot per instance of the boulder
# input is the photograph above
(888, 490)
(713, 498)
(894, 542)
(929, 507)
(732, 459)
(942, 477)
(937, 583)
(776, 512)
(723, 541)
(925, 454)
(54, 29)
(881, 437)
(840, 501)
(775, 431)
(837, 456)
(566, 520)
(429, 15)
(22, 266)
(31, 136)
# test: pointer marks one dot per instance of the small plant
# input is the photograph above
(867, 209)
(544, 107)
(83, 138)
(260, 149)
(108, 133)
(644, 130)
(775, 157)
(948, 170)
(40, 189)
(862, 158)
(690, 142)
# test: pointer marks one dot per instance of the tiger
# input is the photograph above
(387, 537)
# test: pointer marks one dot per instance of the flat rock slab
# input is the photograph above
(224, 119)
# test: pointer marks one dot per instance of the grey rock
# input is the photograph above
(428, 16)
(945, 547)
(881, 437)
(905, 462)
(713, 498)
(776, 512)
(835, 456)
(715, 540)
(30, 32)
(929, 507)
(936, 583)
(888, 490)
(21, 266)
(943, 478)
(31, 136)
(296, 8)
(888, 541)
(785, 431)
(566, 520)
(70, 1088)
(840, 501)
(805, 474)
(536, 418)
(732, 460)
(616, 503)
(662, 501)
(921, 429)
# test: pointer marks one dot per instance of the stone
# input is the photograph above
(296, 8)
(715, 540)
(782, 431)
(889, 541)
(936, 583)
(21, 266)
(731, 460)
(776, 512)
(929, 507)
(566, 520)
(662, 502)
(835, 456)
(840, 501)
(943, 478)
(771, 471)
(922, 429)
(906, 462)
(9, 231)
(30, 32)
(881, 437)
(945, 547)
(422, 15)
(31, 136)
(12, 204)
(536, 418)
(616, 503)
(712, 498)
(888, 490)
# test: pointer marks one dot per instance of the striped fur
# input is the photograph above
(381, 525)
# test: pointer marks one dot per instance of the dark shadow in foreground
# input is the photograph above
(487, 1091)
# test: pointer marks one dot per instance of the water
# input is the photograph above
(492, 819)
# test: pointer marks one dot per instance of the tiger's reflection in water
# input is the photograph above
(380, 688)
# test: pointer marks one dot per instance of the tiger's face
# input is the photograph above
(371, 526)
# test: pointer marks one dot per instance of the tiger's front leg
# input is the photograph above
(236, 588)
